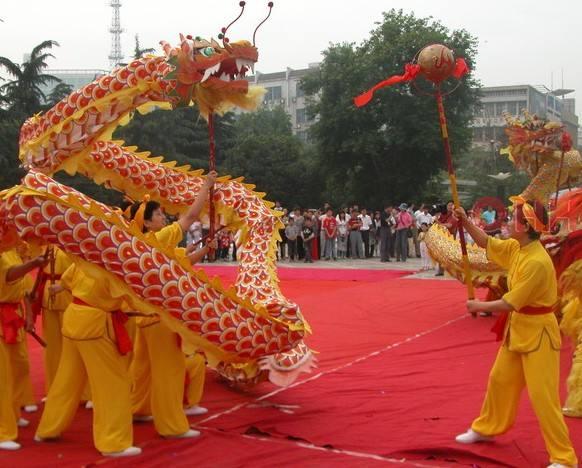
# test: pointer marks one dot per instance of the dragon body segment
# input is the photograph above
(243, 329)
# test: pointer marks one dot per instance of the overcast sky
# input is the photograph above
(520, 41)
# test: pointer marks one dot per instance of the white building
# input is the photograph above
(488, 124)
(283, 89)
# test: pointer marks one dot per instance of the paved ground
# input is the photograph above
(412, 264)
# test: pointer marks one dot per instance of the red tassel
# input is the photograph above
(461, 68)
(499, 326)
(566, 142)
(410, 72)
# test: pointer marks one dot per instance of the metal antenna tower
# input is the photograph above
(115, 57)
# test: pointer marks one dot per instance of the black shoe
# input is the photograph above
(440, 274)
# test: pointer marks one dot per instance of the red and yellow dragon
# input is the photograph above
(543, 150)
(249, 332)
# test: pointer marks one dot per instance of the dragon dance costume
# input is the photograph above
(14, 366)
(95, 349)
(53, 308)
(530, 354)
(158, 368)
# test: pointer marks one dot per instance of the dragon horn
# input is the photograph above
(270, 5)
(222, 35)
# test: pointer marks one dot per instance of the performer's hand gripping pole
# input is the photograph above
(455, 193)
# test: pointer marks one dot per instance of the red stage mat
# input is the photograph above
(402, 370)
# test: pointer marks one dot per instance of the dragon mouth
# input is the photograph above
(229, 70)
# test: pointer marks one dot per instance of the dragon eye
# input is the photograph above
(207, 51)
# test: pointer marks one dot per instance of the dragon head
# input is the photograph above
(212, 75)
(544, 150)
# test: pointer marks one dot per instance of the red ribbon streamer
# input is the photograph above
(410, 72)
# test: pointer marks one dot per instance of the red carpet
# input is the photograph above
(401, 371)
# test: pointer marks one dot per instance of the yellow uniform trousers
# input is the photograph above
(23, 391)
(158, 370)
(9, 407)
(196, 372)
(539, 371)
(98, 361)
(52, 323)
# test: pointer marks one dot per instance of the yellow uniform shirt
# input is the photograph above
(81, 322)
(170, 236)
(13, 292)
(62, 299)
(531, 280)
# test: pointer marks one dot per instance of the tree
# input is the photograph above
(267, 154)
(20, 98)
(180, 135)
(24, 93)
(138, 52)
(59, 92)
(389, 150)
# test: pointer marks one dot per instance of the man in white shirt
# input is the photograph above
(365, 231)
(423, 217)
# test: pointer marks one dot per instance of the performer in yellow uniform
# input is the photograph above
(54, 304)
(158, 368)
(13, 284)
(195, 376)
(95, 348)
(530, 354)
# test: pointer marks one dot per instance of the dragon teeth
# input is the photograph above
(209, 71)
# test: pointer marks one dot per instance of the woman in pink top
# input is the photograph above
(403, 223)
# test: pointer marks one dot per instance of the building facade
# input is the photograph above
(284, 90)
(488, 124)
(76, 78)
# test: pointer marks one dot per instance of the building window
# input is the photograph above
(488, 109)
(501, 107)
(273, 93)
(299, 90)
(301, 116)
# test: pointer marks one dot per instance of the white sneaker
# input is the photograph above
(23, 422)
(31, 408)
(471, 437)
(559, 465)
(186, 435)
(195, 411)
(89, 404)
(143, 417)
(128, 452)
(9, 445)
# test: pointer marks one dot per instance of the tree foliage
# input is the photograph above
(389, 150)
(23, 94)
(267, 154)
(180, 135)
